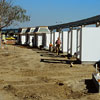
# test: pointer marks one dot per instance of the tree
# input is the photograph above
(10, 14)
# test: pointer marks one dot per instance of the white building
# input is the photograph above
(30, 35)
(81, 41)
(42, 36)
(88, 48)
(64, 41)
(22, 37)
(63, 37)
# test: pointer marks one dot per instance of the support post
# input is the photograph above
(51, 36)
(77, 44)
(61, 38)
(98, 24)
(71, 47)
(68, 43)
(81, 43)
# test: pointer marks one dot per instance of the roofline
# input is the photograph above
(41, 26)
(87, 21)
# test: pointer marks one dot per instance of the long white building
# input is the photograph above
(80, 40)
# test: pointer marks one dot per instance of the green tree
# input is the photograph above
(10, 14)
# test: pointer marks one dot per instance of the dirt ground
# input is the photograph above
(23, 76)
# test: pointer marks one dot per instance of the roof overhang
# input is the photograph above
(88, 21)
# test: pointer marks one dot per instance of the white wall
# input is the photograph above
(31, 37)
(23, 39)
(55, 37)
(74, 37)
(47, 39)
(69, 42)
(91, 44)
(61, 39)
(64, 41)
(52, 36)
(39, 40)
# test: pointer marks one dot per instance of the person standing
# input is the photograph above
(58, 43)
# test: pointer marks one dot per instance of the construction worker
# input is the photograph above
(58, 43)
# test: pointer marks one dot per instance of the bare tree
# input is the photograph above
(10, 14)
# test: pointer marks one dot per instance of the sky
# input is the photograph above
(52, 12)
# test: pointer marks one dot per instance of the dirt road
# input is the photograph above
(24, 77)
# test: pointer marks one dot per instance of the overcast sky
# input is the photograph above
(51, 12)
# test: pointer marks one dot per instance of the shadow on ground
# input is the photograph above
(53, 55)
(90, 86)
(59, 61)
(53, 61)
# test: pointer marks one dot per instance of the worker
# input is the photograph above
(50, 47)
(58, 43)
